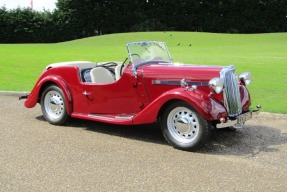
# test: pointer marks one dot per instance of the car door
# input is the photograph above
(120, 97)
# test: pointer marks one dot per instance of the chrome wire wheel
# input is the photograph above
(54, 105)
(183, 124)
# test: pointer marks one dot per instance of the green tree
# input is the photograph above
(74, 19)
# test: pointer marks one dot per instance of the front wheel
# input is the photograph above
(183, 127)
(54, 106)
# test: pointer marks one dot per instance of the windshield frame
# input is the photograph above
(166, 58)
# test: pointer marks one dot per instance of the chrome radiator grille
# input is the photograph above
(231, 92)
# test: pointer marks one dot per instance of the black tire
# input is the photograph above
(183, 127)
(53, 105)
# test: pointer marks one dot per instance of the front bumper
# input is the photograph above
(240, 119)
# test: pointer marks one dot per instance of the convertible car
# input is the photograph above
(147, 87)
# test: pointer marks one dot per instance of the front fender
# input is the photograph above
(32, 99)
(245, 98)
(206, 106)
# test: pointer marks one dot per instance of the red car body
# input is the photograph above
(137, 99)
(142, 93)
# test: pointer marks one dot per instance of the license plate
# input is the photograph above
(244, 117)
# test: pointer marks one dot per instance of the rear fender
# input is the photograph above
(206, 106)
(33, 98)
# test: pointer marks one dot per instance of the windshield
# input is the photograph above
(148, 51)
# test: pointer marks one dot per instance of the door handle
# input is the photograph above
(86, 93)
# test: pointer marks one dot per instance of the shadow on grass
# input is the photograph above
(249, 141)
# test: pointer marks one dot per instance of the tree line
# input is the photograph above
(74, 19)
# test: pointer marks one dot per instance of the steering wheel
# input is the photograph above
(134, 54)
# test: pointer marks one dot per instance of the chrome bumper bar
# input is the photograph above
(239, 121)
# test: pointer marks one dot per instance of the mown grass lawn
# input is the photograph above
(264, 55)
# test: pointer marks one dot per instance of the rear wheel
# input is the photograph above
(53, 105)
(183, 127)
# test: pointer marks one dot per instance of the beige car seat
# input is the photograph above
(118, 71)
(101, 75)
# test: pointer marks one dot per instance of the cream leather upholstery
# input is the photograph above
(101, 75)
(118, 71)
(80, 64)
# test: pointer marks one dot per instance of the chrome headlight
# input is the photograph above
(245, 78)
(216, 84)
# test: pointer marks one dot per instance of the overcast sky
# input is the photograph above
(38, 5)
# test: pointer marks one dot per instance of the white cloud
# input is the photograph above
(38, 5)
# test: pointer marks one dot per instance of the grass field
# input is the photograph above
(264, 55)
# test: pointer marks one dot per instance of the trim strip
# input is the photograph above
(190, 83)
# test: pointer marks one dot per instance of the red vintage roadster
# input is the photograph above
(147, 87)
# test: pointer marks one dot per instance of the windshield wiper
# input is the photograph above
(144, 44)
(160, 47)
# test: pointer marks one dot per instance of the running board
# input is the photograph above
(114, 119)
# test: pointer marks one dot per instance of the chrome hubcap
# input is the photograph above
(54, 105)
(183, 124)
